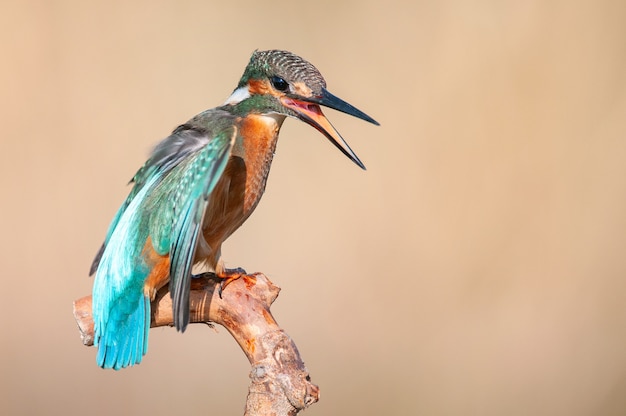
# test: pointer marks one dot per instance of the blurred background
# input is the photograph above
(476, 268)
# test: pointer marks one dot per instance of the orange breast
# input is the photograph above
(241, 186)
(258, 141)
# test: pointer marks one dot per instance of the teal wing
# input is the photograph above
(184, 142)
(168, 199)
(177, 222)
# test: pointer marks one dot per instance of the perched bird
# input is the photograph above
(198, 186)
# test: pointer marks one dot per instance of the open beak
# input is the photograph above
(308, 110)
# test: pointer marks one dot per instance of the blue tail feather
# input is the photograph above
(124, 340)
(121, 310)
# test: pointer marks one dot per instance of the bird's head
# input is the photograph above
(279, 82)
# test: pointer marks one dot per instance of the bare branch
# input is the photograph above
(280, 381)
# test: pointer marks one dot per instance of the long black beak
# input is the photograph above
(332, 101)
(312, 114)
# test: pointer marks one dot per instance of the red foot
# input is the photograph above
(229, 276)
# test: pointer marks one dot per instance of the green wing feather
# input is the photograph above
(179, 209)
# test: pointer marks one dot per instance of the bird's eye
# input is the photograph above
(279, 83)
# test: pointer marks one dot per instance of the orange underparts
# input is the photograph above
(259, 144)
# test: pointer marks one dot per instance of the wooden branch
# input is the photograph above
(280, 382)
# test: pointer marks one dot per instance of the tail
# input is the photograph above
(121, 309)
(123, 340)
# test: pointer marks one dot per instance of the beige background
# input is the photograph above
(476, 268)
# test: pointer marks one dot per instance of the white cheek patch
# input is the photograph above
(238, 96)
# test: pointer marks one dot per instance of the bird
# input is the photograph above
(197, 187)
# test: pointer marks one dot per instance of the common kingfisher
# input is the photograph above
(198, 186)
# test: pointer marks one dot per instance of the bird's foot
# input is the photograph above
(228, 276)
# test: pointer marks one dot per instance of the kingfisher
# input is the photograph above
(196, 188)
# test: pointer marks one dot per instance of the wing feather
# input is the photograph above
(166, 204)
(190, 200)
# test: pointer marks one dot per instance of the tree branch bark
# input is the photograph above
(280, 382)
